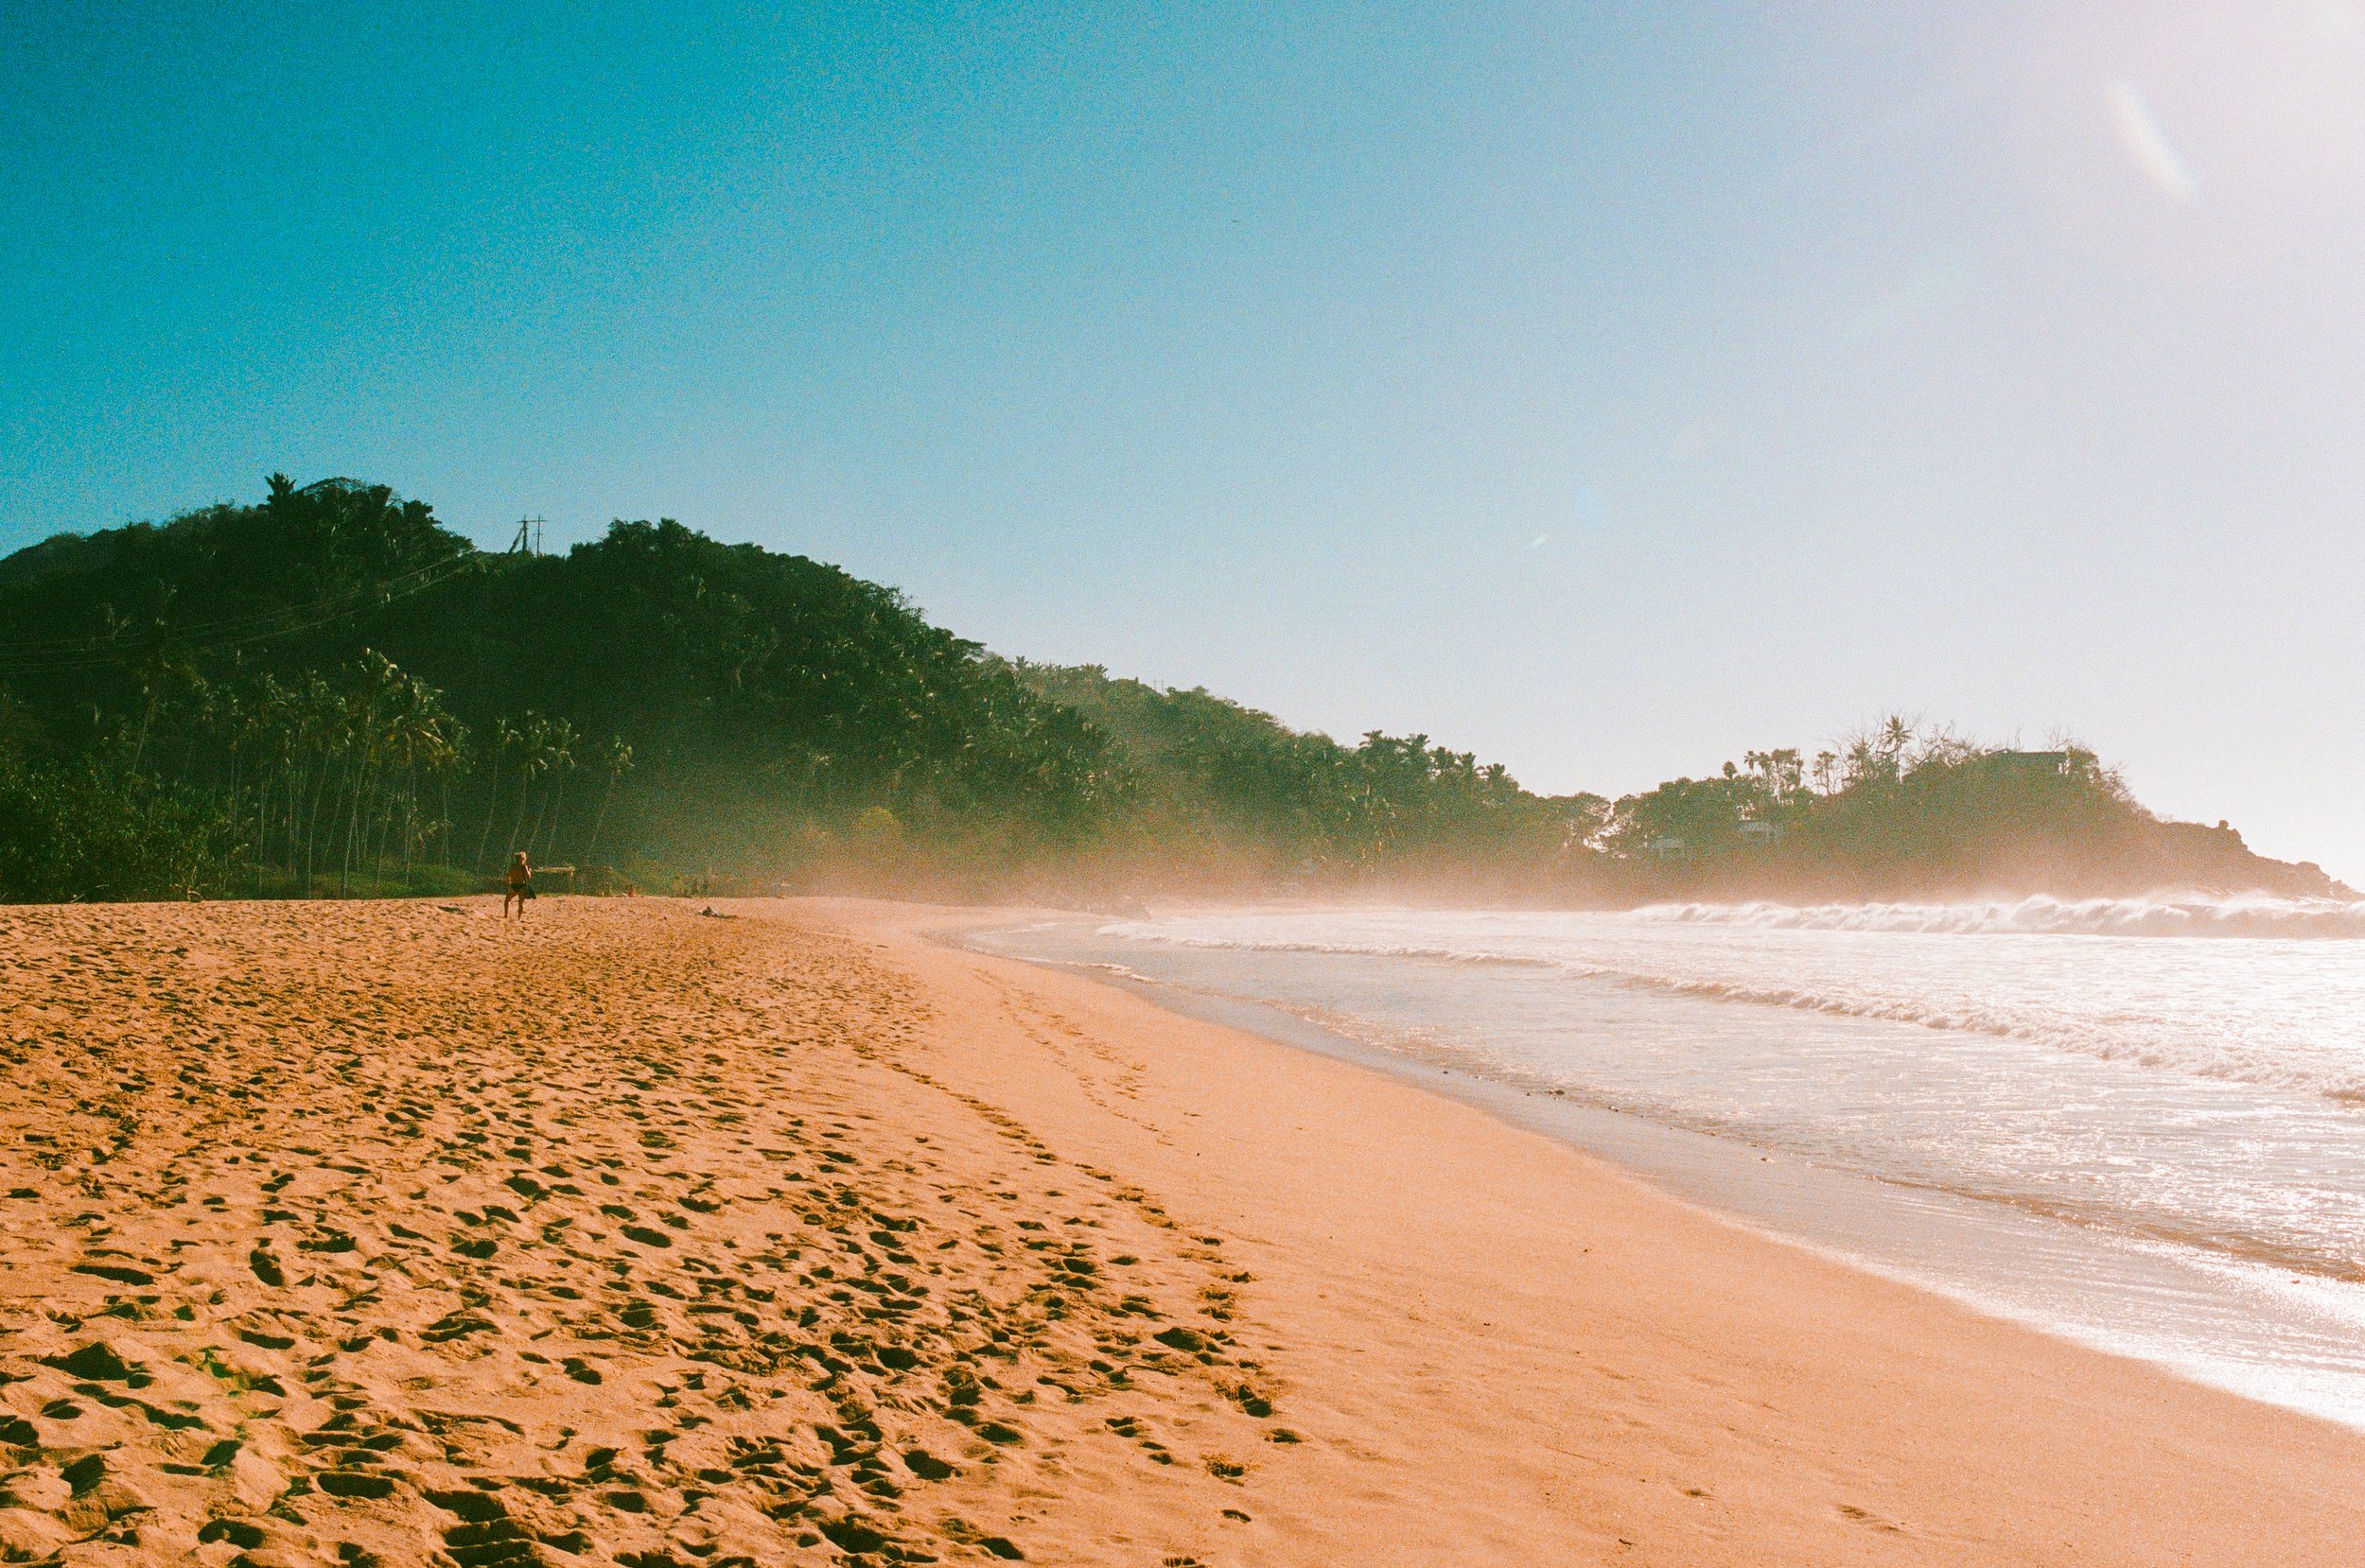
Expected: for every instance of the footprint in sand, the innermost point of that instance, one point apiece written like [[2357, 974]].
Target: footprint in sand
[[318, 1262]]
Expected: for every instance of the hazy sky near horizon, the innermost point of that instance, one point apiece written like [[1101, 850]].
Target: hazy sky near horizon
[[1606, 389]]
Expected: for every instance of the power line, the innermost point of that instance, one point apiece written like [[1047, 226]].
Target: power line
[[392, 586], [65, 654]]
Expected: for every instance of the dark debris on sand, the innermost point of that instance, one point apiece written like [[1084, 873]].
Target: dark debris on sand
[[352, 1236]]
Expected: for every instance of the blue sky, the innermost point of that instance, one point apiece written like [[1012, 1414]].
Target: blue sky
[[1601, 389]]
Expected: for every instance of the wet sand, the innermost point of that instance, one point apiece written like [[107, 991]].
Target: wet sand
[[354, 1232]]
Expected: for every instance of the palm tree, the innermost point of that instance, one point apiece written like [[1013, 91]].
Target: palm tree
[[324, 733], [506, 743], [535, 755], [558, 755], [615, 761]]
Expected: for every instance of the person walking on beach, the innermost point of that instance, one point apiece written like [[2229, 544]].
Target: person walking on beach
[[521, 885]]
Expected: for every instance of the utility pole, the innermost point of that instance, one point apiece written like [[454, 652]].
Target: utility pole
[[529, 539]]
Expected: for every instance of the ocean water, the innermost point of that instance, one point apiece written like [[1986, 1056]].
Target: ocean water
[[2140, 1122]]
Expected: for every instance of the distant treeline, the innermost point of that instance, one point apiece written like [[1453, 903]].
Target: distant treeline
[[328, 692]]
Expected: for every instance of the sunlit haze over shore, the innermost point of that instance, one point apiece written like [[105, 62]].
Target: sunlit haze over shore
[[1603, 391]]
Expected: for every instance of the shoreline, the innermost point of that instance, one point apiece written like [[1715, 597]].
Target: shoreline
[[931, 1249], [1966, 1437], [2278, 1335]]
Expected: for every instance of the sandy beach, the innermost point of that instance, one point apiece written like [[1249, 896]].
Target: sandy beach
[[387, 1232]]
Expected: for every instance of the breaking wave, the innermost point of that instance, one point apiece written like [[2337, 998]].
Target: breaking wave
[[2176, 1124], [2149, 1042], [2159, 1026], [2160, 915]]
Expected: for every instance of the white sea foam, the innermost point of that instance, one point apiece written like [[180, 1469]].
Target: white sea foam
[[2158, 915], [2124, 1101], [2284, 1009]]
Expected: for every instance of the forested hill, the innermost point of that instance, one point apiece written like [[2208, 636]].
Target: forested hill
[[340, 690], [329, 691]]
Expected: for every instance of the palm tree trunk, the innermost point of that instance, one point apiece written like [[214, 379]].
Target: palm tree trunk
[[599, 818], [312, 828], [552, 809], [492, 803], [524, 796]]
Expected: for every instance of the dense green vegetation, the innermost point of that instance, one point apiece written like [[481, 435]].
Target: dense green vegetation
[[328, 692], [1904, 810], [1229, 792], [332, 692]]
